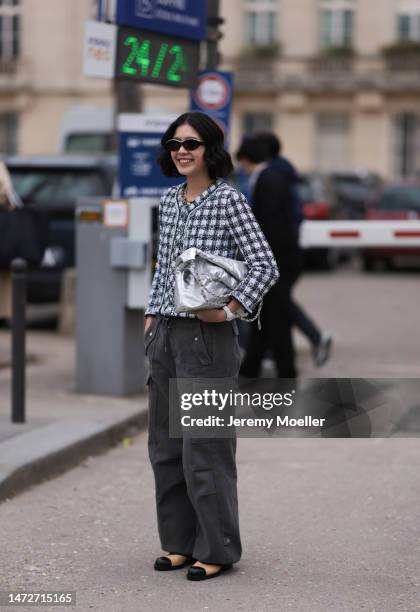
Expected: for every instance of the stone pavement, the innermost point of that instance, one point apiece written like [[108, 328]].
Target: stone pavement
[[63, 427]]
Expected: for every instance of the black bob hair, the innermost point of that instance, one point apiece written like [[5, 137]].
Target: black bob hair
[[271, 141], [254, 150], [218, 160]]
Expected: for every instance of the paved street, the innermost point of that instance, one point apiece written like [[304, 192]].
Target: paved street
[[374, 319], [328, 525]]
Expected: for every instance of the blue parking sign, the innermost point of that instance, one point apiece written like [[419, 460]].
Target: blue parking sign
[[139, 145], [183, 18]]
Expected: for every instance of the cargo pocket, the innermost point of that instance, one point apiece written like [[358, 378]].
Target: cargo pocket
[[203, 479], [150, 336], [235, 327], [198, 350], [151, 415], [236, 345]]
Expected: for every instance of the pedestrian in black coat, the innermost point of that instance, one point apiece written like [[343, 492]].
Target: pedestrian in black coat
[[273, 207]]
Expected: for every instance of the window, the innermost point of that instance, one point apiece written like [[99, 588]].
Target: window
[[333, 142], [407, 148], [90, 143], [337, 22], [260, 22], [408, 20], [8, 133], [257, 122], [9, 30], [63, 187], [400, 198]]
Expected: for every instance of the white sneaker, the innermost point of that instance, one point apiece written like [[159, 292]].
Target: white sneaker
[[321, 352]]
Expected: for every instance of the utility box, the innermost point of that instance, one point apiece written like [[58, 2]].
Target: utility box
[[115, 255]]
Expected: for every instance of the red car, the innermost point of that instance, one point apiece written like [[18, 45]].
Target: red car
[[395, 201], [315, 208]]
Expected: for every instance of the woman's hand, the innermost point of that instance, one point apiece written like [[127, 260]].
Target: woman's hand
[[147, 322], [214, 315]]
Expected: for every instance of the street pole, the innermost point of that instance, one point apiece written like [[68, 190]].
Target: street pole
[[213, 37], [18, 339], [127, 99]]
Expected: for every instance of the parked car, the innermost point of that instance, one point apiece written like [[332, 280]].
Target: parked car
[[55, 184], [346, 192], [395, 201], [315, 204], [350, 193], [315, 208]]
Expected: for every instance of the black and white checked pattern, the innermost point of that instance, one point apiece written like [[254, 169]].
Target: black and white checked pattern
[[219, 221]]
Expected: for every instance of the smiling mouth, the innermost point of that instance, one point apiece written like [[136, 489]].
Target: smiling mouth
[[184, 161]]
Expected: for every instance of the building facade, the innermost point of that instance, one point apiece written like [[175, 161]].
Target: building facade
[[337, 80], [40, 71]]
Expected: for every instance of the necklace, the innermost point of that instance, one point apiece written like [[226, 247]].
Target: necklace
[[186, 200]]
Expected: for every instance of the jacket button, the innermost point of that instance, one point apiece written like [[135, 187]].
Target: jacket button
[[196, 338]]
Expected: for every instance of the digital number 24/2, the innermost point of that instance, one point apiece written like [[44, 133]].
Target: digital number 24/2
[[140, 54]]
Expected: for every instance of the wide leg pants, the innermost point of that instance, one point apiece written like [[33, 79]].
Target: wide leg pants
[[196, 478]]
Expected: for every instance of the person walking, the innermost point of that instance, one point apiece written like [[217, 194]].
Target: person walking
[[321, 342], [8, 198], [272, 205], [196, 479]]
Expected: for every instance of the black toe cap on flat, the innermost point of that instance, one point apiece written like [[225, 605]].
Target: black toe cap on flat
[[196, 573], [164, 564], [199, 573]]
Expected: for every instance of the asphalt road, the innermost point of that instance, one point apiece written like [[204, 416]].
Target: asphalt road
[[373, 318], [327, 526]]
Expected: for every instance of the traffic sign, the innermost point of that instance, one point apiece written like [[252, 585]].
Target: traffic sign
[[213, 96]]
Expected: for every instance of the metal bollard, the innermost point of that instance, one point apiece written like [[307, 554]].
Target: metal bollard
[[18, 339]]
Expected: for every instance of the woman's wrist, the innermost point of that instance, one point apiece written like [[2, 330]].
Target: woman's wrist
[[236, 308], [233, 310]]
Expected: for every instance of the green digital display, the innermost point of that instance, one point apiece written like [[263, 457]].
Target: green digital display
[[157, 58]]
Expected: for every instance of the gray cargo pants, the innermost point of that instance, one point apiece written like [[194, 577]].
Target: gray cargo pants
[[196, 496]]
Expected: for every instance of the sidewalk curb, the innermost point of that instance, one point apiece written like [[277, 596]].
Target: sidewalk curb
[[63, 444]]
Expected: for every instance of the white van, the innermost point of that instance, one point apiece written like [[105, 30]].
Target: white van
[[87, 129]]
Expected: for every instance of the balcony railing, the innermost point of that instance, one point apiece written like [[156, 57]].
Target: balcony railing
[[330, 64], [404, 62], [255, 73], [327, 73]]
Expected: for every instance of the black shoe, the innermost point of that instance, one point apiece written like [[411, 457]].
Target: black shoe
[[199, 573], [164, 564]]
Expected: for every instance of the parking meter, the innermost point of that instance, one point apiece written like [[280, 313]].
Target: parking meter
[[114, 266]]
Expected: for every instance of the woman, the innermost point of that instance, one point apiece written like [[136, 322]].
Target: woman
[[197, 507]]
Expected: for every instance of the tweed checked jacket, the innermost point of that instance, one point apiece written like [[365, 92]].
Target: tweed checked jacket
[[221, 222]]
